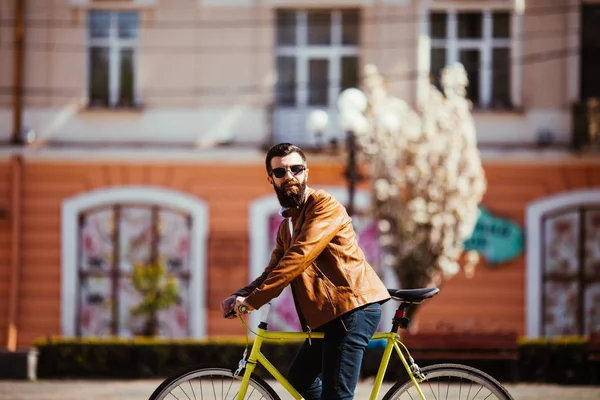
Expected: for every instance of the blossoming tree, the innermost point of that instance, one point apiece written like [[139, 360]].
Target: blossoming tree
[[426, 171]]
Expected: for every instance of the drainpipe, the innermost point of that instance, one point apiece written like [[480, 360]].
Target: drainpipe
[[16, 167], [18, 65]]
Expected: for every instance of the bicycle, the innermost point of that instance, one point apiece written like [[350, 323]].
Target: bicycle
[[243, 383]]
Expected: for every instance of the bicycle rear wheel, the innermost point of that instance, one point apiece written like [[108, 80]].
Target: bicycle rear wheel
[[211, 383], [451, 381]]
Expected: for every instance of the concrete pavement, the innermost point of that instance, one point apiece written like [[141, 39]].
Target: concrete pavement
[[141, 390]]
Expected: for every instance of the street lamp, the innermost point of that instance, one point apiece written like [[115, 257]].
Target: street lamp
[[352, 103], [317, 122]]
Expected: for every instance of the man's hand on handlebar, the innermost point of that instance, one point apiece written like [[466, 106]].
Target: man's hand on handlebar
[[241, 306], [227, 306], [234, 305]]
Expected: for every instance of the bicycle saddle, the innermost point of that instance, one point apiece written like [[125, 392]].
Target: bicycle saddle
[[413, 295]]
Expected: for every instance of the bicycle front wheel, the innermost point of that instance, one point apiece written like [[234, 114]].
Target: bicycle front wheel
[[211, 383], [450, 381]]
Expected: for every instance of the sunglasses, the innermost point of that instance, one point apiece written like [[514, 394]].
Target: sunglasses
[[294, 169]]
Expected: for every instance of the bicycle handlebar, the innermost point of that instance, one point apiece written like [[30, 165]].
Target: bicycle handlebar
[[241, 309]]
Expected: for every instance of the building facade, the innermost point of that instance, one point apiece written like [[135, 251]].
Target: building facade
[[137, 127]]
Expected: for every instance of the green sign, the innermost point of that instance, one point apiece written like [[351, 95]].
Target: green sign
[[497, 239]]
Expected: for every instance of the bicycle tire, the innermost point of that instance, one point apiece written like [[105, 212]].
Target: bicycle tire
[[455, 389], [221, 385]]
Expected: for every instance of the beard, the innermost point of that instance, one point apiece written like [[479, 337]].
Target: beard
[[290, 195]]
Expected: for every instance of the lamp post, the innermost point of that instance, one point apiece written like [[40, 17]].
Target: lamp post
[[352, 175], [352, 103], [593, 105]]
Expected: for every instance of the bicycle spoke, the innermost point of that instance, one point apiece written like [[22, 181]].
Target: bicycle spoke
[[184, 392], [432, 391], [192, 388], [229, 388], [477, 392], [174, 396], [448, 388], [486, 397]]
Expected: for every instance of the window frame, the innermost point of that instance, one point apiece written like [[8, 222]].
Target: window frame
[[535, 212], [485, 45], [198, 209], [303, 53], [114, 44]]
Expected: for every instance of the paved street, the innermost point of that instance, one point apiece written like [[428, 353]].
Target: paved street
[[141, 390]]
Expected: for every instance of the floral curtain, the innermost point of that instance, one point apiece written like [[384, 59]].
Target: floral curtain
[[113, 240], [571, 273]]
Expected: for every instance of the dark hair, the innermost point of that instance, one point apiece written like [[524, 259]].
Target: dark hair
[[281, 150]]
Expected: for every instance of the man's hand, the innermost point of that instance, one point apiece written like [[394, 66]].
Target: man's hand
[[227, 306], [233, 303], [241, 301]]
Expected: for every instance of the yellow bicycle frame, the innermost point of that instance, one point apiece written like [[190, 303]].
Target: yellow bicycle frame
[[392, 340]]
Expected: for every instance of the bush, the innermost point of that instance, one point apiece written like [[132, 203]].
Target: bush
[[145, 358], [562, 361]]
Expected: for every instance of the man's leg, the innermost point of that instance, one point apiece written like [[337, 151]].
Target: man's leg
[[344, 345], [305, 369]]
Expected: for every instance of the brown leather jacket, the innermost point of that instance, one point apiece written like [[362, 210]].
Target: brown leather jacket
[[328, 273]]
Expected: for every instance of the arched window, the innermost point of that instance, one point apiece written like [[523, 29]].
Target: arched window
[[107, 236], [563, 265]]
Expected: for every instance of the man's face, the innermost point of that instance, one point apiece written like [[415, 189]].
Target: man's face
[[288, 177]]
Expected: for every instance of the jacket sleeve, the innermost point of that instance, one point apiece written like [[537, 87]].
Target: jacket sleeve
[[324, 218], [275, 257]]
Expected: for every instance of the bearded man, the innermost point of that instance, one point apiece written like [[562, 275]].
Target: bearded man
[[335, 290]]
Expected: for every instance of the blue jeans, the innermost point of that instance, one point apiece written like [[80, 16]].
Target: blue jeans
[[337, 357]]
